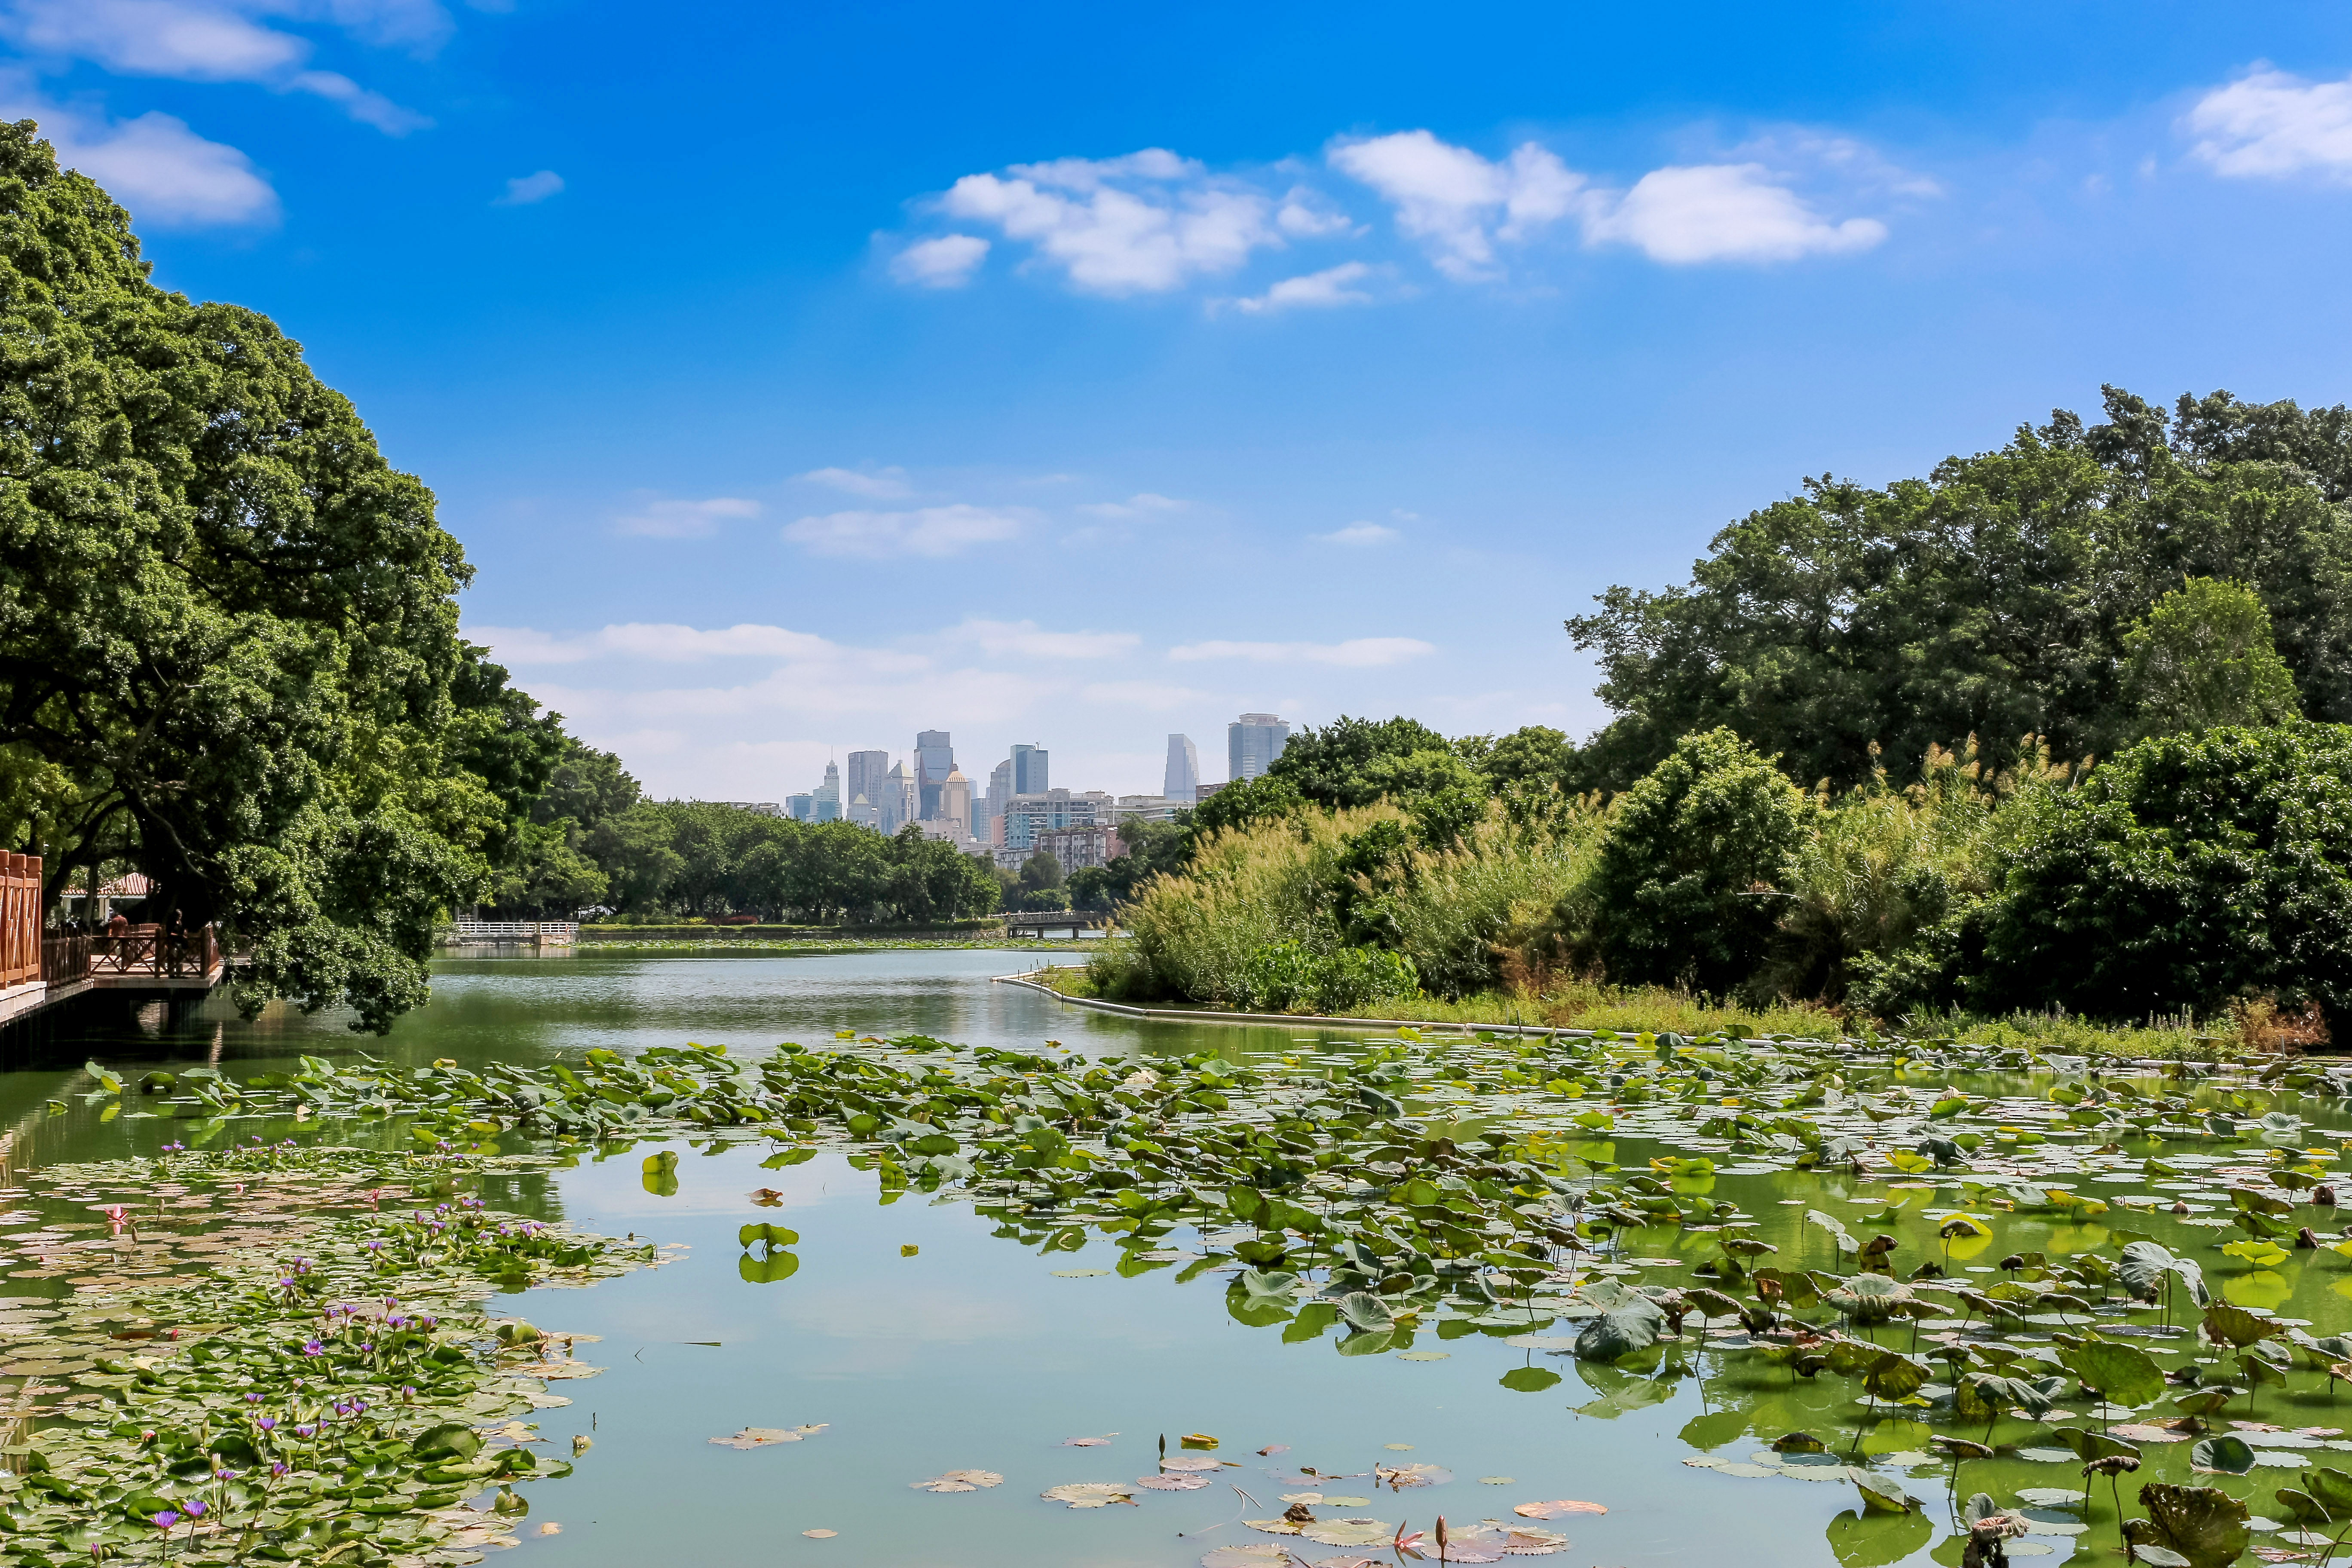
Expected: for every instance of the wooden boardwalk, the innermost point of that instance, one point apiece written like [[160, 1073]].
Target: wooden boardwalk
[[40, 969]]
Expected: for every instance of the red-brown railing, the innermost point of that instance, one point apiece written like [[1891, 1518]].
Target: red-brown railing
[[150, 950], [66, 958], [20, 918]]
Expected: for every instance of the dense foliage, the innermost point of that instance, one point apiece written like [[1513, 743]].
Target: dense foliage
[[229, 636], [1991, 598]]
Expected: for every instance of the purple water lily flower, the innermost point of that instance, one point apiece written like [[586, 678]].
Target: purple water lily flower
[[195, 1506], [314, 1348], [166, 1520]]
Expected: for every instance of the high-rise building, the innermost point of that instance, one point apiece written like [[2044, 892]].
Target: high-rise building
[[1026, 815], [1029, 770], [1183, 774], [826, 807], [955, 802], [1252, 743], [898, 801], [988, 811], [934, 761], [862, 784], [800, 807]]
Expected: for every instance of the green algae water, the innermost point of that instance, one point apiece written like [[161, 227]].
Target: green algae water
[[1002, 1326]]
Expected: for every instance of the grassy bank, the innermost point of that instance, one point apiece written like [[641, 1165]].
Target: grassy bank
[[1581, 1006]]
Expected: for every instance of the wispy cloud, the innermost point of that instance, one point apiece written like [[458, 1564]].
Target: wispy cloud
[[1722, 212], [875, 484], [1359, 534], [2269, 124], [1145, 504], [1356, 653], [928, 531], [1312, 290], [668, 644], [947, 262], [153, 164], [191, 40], [674, 518], [1030, 641], [525, 190]]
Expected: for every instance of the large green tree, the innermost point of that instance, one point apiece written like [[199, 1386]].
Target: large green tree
[[229, 636], [1990, 598]]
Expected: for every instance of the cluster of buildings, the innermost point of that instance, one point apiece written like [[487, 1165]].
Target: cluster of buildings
[[1019, 812]]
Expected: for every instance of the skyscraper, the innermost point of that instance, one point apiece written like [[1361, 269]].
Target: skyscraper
[[1252, 743], [826, 808], [1183, 777], [897, 804], [934, 761], [863, 785], [1029, 770], [955, 801], [991, 804]]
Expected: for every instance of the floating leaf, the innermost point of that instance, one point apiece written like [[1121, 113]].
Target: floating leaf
[[768, 1436], [1089, 1494], [1556, 1510], [2222, 1455], [959, 1481], [1350, 1531]]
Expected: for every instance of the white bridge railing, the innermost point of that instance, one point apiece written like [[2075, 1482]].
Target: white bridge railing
[[551, 934]]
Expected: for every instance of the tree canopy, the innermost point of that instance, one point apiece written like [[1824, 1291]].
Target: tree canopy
[[229, 631], [1991, 598]]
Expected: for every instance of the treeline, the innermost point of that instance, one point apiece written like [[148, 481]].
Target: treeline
[[2059, 726], [593, 842]]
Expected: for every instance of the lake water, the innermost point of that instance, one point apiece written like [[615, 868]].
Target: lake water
[[972, 1353]]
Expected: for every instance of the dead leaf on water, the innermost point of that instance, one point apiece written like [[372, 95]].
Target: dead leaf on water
[[1179, 1481], [1087, 1442], [550, 1527], [1192, 1462], [1263, 1555], [820, 1534], [959, 1481], [1089, 1494], [1556, 1510], [768, 1436]]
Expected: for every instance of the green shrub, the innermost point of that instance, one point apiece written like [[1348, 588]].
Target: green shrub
[[1288, 977], [1682, 890], [2188, 870]]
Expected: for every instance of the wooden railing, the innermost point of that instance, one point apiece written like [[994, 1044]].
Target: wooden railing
[[65, 959], [151, 950], [20, 918]]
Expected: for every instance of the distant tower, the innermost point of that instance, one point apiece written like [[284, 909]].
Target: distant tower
[[828, 795], [895, 808], [955, 801], [1029, 770], [934, 761], [1184, 778], [992, 805], [1252, 743], [863, 785]]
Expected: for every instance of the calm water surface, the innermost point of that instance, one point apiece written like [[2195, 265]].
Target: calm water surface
[[972, 1355]]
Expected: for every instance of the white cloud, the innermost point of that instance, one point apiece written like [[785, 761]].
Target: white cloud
[[1310, 215], [1146, 223], [1359, 534], [667, 644], [2270, 124], [1723, 212], [947, 262], [876, 484], [165, 173], [931, 531], [1313, 290], [191, 40], [1145, 504], [1463, 206], [668, 519], [1029, 640], [1455, 200], [1356, 653], [1152, 696], [526, 189]]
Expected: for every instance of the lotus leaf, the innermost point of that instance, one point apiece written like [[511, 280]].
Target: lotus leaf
[[2204, 1524]]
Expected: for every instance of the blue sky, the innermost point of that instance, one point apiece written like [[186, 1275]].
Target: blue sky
[[800, 376]]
